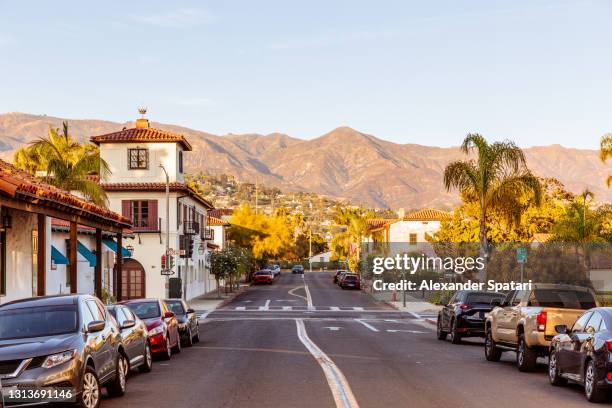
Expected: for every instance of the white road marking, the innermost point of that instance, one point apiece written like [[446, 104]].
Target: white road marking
[[332, 328], [369, 326], [360, 309], [339, 386], [405, 331], [287, 308], [334, 308], [247, 301], [204, 315], [391, 320], [286, 300], [415, 315], [240, 308], [308, 297], [300, 296], [266, 306]]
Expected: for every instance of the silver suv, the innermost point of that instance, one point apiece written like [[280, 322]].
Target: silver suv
[[67, 343]]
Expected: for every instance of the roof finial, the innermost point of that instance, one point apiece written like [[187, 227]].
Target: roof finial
[[142, 110]]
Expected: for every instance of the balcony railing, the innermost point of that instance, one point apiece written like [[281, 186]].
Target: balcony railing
[[207, 233], [191, 228], [146, 225]]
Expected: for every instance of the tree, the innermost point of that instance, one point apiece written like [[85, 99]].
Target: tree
[[347, 242], [496, 180], [66, 163], [605, 152]]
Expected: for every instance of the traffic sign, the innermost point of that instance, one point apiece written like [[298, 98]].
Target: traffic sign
[[167, 272], [176, 252], [521, 255]]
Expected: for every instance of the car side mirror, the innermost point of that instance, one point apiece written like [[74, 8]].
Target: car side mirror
[[190, 311], [561, 329], [168, 315], [127, 324], [96, 326], [496, 302]]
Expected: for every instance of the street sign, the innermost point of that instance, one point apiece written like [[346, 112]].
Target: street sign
[[167, 272], [521, 255], [176, 252]]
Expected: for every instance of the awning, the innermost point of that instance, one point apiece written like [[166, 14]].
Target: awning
[[113, 246], [58, 257], [87, 254]]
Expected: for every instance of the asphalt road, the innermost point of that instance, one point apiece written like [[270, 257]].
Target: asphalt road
[[287, 346]]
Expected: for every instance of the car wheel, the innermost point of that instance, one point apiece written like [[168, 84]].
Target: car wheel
[[441, 334], [455, 337], [116, 388], [177, 349], [196, 339], [148, 360], [492, 353], [592, 391], [168, 353], [189, 340], [525, 356], [553, 370], [90, 390]]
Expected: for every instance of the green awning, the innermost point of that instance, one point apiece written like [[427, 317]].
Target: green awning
[[58, 257], [113, 246], [87, 254]]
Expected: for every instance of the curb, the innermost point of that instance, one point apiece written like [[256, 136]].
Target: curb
[[232, 297], [431, 321]]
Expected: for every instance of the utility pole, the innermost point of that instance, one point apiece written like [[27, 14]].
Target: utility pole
[[167, 220], [256, 196], [310, 249]]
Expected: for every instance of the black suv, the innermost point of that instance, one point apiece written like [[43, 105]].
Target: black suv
[[465, 313], [297, 269], [67, 342], [188, 326]]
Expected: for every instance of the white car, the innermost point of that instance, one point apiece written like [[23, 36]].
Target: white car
[[276, 270]]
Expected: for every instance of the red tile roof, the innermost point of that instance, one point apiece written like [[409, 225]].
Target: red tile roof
[[428, 214], [134, 135], [214, 221], [175, 186], [221, 212], [376, 223], [21, 185]]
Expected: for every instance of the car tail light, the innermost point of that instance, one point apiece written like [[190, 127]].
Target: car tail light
[[609, 344], [609, 377], [541, 320], [465, 307]]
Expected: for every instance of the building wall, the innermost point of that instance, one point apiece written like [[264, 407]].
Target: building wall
[[116, 155], [219, 238], [601, 279], [400, 231]]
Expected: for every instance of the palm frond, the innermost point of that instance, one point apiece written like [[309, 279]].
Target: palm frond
[[462, 175]]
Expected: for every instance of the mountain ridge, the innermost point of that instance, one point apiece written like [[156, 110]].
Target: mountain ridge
[[343, 163]]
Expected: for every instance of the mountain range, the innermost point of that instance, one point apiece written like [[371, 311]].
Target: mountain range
[[343, 164]]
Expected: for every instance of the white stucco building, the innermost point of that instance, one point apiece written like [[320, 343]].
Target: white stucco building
[[139, 159]]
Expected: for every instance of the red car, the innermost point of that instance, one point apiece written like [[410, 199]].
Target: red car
[[263, 276], [161, 324]]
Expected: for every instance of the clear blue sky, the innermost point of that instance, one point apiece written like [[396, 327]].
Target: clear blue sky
[[536, 71]]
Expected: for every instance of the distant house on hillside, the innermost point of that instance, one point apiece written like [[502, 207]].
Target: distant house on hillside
[[412, 228]]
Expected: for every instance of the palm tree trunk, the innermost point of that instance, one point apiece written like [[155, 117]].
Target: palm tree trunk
[[484, 245]]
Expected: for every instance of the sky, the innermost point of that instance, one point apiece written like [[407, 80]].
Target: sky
[[537, 72]]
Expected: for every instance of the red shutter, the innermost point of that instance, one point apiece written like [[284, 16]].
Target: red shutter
[[126, 209], [153, 221]]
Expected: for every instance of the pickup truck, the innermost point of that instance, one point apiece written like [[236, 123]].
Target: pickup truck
[[525, 321]]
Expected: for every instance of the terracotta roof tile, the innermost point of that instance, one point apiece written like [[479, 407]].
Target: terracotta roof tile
[[221, 212], [428, 214], [376, 223], [175, 186], [214, 221], [15, 182], [133, 135]]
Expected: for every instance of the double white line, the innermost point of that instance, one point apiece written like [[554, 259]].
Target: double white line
[[339, 386]]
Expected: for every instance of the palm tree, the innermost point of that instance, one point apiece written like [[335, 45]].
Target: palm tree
[[497, 179], [66, 163], [605, 152]]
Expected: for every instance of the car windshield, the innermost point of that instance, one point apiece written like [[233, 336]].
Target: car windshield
[[38, 321], [176, 307], [263, 273], [563, 298], [145, 310], [350, 278], [485, 298]]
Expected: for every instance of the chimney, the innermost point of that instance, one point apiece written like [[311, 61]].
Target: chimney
[[401, 213], [142, 122]]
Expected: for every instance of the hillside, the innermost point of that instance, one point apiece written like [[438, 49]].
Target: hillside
[[342, 164]]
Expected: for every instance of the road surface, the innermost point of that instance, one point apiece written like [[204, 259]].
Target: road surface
[[304, 342]]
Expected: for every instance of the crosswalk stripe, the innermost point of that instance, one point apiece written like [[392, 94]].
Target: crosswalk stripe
[[334, 308], [287, 308], [358, 309], [240, 308]]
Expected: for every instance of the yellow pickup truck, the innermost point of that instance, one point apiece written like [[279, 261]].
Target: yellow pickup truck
[[525, 321]]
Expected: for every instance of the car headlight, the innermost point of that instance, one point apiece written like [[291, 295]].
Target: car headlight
[[156, 330], [59, 358]]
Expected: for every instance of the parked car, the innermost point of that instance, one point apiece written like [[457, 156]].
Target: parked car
[[338, 273], [583, 354], [464, 314], [341, 276], [297, 269], [525, 321], [135, 338], [263, 276], [161, 324], [276, 269], [350, 280], [189, 329], [67, 341]]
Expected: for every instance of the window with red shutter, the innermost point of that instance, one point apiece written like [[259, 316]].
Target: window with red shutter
[[126, 209], [153, 221]]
